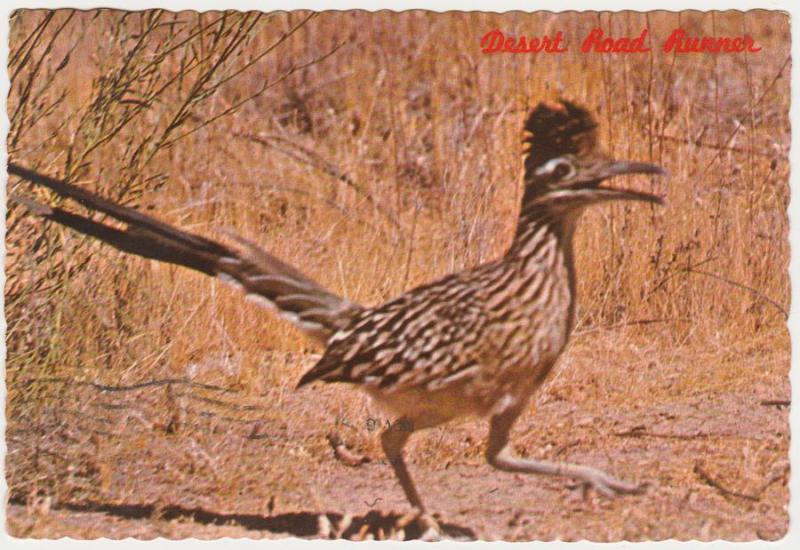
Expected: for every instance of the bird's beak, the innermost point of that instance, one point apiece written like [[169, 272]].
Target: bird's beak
[[621, 168]]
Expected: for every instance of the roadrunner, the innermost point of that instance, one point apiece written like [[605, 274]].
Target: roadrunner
[[474, 343]]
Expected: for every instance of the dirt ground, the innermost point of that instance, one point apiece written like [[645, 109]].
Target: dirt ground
[[705, 426], [376, 152]]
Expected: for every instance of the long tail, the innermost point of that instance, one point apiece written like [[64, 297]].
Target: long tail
[[264, 278]]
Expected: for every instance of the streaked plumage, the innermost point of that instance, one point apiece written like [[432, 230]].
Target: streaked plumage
[[478, 342]]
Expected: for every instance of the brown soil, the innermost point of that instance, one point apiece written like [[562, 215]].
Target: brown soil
[[182, 459]]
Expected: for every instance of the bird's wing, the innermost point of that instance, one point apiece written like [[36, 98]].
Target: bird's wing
[[409, 340]]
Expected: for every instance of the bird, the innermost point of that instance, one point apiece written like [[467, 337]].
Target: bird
[[474, 343]]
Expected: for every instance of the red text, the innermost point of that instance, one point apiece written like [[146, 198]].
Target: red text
[[495, 41], [678, 42], [597, 43]]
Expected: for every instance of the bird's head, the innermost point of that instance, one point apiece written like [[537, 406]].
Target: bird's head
[[565, 165]]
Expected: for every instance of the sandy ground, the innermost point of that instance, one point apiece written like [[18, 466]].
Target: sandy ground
[[707, 430]]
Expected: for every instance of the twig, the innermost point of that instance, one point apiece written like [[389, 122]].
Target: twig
[[776, 402], [706, 477], [305, 155], [342, 453], [669, 276], [641, 431], [742, 286], [629, 323], [706, 145], [757, 103], [132, 387], [266, 86]]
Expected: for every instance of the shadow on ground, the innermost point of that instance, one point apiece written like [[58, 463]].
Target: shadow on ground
[[373, 524]]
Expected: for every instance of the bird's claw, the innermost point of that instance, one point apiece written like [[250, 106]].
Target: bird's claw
[[428, 526], [610, 487]]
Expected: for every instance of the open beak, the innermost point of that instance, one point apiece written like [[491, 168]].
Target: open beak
[[621, 168]]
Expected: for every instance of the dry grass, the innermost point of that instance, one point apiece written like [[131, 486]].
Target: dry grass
[[374, 168]]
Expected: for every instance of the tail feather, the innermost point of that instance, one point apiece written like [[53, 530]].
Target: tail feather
[[264, 278]]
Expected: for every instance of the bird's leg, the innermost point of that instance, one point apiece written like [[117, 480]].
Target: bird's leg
[[393, 441], [499, 455]]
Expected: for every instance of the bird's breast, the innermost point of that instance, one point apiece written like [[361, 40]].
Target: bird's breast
[[534, 324]]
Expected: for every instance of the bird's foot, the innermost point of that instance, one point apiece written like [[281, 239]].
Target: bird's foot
[[426, 524], [608, 486]]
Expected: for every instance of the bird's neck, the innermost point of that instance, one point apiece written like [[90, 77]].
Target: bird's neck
[[544, 233], [542, 247]]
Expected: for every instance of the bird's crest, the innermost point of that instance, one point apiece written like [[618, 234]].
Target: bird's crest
[[557, 129]]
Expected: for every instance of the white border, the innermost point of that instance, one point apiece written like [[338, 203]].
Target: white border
[[792, 540]]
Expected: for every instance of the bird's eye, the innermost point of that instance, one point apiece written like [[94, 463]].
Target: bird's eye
[[557, 169], [563, 170]]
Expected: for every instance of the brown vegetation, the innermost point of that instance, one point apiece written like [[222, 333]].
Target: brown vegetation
[[376, 151]]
